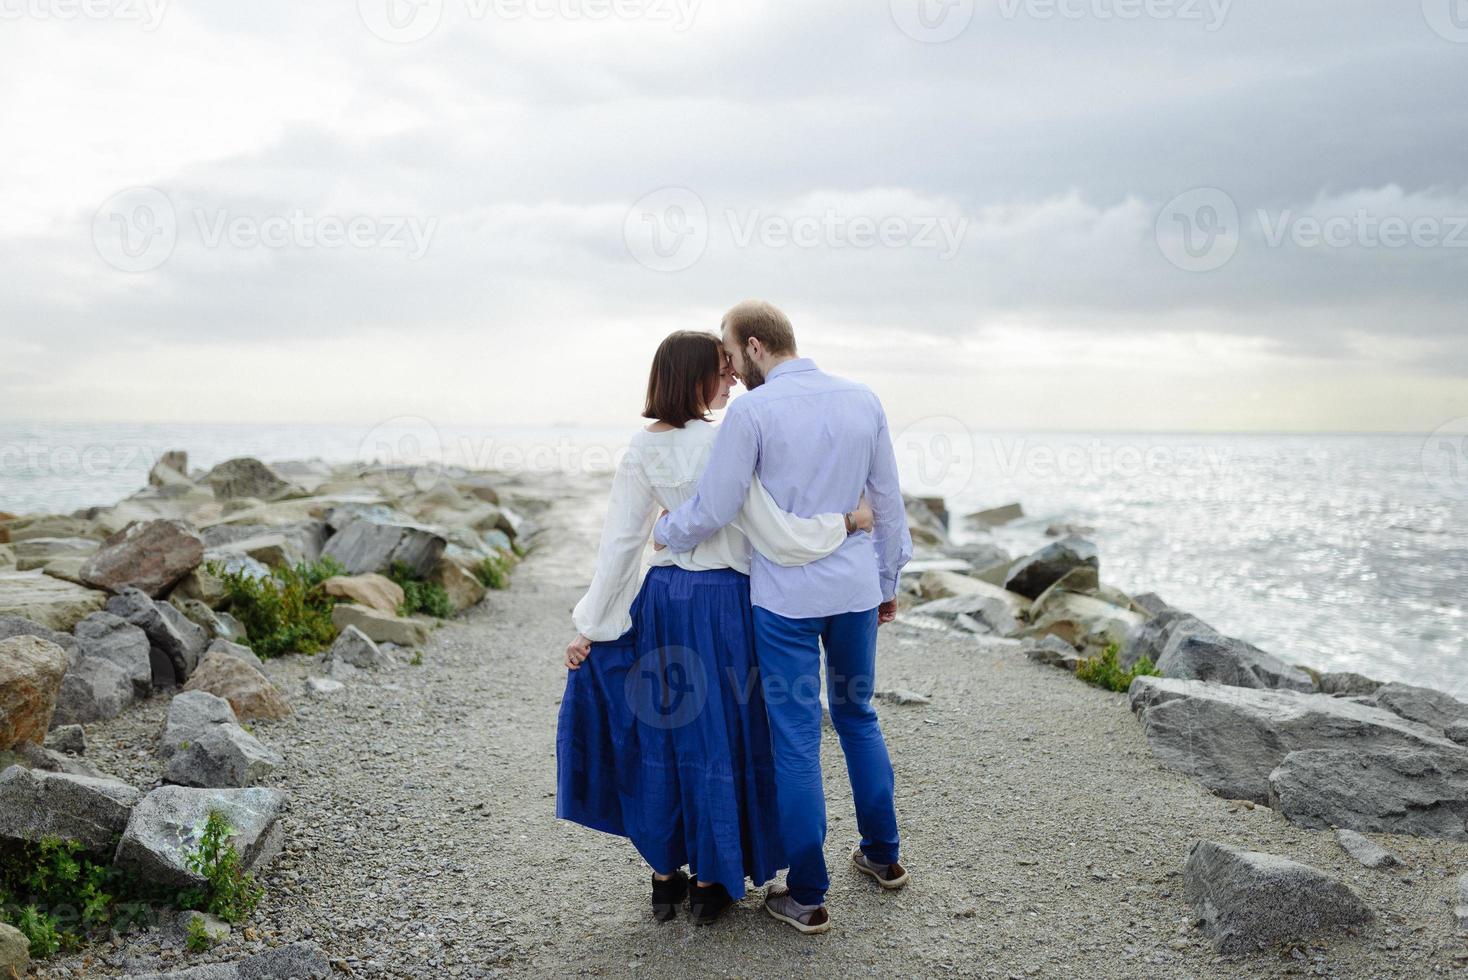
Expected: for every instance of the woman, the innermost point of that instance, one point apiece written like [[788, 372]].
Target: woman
[[663, 737]]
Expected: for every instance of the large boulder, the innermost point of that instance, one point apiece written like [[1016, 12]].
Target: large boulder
[[35, 804], [365, 545], [1197, 652], [1232, 738], [1423, 705], [1249, 900], [103, 636], [50, 526], [380, 627], [248, 477], [168, 824], [50, 602], [150, 556], [175, 643], [205, 746], [30, 681], [293, 961], [373, 591], [92, 690], [1422, 792], [219, 625], [248, 691], [1033, 574]]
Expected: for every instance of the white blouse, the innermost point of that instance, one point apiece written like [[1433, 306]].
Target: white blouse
[[661, 471]]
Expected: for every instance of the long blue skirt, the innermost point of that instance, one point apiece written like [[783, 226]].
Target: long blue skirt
[[663, 737]]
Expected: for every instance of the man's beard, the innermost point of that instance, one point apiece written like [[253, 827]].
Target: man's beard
[[750, 374]]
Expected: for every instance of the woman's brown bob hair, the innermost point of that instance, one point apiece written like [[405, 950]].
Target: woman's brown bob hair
[[684, 377]]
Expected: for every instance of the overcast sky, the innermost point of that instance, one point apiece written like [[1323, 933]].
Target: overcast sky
[[1045, 214]]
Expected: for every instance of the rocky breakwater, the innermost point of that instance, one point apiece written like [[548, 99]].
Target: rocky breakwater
[[1328, 751], [182, 591]]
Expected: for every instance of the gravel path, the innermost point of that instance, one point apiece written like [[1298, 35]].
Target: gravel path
[[1042, 839]]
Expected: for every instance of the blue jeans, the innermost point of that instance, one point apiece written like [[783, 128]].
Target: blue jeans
[[789, 661]]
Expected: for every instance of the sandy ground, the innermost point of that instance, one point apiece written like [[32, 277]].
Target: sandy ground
[[1042, 839]]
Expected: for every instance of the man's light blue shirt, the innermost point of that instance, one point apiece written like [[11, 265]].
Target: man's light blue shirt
[[817, 442]]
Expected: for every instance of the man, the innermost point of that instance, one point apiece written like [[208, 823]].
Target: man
[[818, 443]]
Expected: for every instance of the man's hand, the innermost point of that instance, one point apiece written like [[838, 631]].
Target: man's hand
[[887, 612], [656, 544], [577, 651]]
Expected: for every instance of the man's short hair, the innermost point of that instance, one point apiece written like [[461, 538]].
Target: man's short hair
[[763, 321]]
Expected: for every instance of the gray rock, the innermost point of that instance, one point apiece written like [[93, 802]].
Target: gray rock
[[168, 824], [92, 690], [1422, 704], [1366, 851], [992, 613], [71, 739], [1457, 732], [235, 650], [29, 755], [175, 644], [365, 545], [1463, 904], [1421, 791], [355, 648], [323, 687], [15, 952], [1248, 900], [218, 625], [1195, 651], [1232, 738], [1345, 684], [380, 627], [1052, 651], [979, 554], [206, 747], [105, 636], [35, 804], [1033, 574], [1150, 603], [996, 516], [39, 552], [902, 696], [248, 477]]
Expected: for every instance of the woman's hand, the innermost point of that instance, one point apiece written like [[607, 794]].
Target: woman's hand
[[656, 544], [577, 651], [862, 517]]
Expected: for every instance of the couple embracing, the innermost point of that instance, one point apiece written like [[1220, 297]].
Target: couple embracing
[[691, 721]]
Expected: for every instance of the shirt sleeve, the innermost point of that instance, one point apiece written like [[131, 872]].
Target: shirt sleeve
[[605, 612], [891, 538], [723, 487], [783, 537]]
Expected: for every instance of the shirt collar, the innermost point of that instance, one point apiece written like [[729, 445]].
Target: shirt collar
[[788, 367]]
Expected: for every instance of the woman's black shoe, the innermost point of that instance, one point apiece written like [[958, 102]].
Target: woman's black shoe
[[706, 904], [667, 895]]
